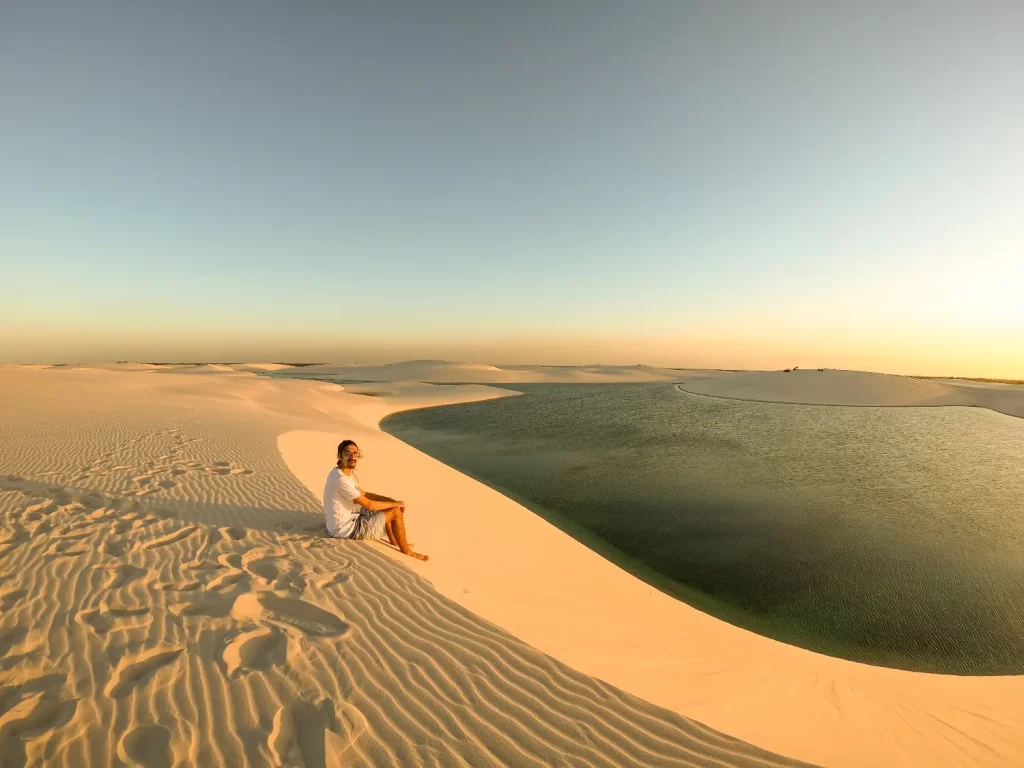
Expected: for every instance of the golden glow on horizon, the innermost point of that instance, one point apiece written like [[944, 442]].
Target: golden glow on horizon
[[963, 352]]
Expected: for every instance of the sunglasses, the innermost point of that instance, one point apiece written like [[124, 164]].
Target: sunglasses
[[350, 454]]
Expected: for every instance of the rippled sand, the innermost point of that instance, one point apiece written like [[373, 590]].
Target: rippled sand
[[166, 598]]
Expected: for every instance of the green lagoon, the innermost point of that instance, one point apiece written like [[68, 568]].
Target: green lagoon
[[893, 536]]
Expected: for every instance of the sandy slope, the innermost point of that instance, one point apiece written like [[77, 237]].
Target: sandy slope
[[261, 366], [1005, 398], [512, 568], [165, 598], [856, 388], [442, 371]]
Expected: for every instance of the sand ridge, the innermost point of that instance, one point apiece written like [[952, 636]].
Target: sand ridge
[[549, 590], [446, 372], [854, 388], [167, 597]]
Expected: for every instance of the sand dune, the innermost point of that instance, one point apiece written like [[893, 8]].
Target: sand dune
[[1005, 398], [165, 597], [855, 388], [173, 367], [442, 371], [260, 366], [558, 596]]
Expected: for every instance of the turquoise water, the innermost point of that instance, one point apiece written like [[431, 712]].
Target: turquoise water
[[893, 536]]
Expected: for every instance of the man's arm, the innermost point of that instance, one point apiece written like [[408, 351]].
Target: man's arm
[[377, 503]]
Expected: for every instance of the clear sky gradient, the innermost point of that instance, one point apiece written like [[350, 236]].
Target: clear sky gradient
[[726, 184]]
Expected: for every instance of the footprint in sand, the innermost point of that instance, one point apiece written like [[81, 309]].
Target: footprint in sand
[[106, 618], [133, 523], [146, 746], [294, 579], [32, 709], [9, 638], [269, 568], [288, 613], [207, 606], [177, 468], [225, 468], [232, 580], [264, 567], [10, 599], [64, 549], [121, 575], [93, 518], [73, 533], [314, 734], [119, 548], [254, 649], [134, 671], [213, 538], [179, 586], [334, 581], [234, 577], [40, 509], [14, 640], [262, 564], [231, 560], [173, 537], [15, 535], [40, 528]]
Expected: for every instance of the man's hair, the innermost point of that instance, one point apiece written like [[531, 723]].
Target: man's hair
[[345, 444]]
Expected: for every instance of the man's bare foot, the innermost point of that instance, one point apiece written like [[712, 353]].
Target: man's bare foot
[[417, 555]]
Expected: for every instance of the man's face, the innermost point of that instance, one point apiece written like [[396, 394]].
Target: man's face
[[350, 457]]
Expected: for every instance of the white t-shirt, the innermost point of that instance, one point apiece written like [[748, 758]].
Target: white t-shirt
[[340, 508]]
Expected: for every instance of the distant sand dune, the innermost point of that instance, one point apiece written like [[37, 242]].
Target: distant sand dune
[[442, 371], [168, 599], [260, 366], [856, 388], [828, 387]]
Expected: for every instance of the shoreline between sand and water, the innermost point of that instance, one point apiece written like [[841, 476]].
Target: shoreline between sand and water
[[792, 701], [167, 596], [551, 592], [787, 520]]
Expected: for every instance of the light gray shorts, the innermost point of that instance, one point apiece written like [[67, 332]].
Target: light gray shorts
[[369, 525]]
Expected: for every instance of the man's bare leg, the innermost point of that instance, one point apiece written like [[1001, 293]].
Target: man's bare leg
[[397, 520], [388, 525], [391, 534]]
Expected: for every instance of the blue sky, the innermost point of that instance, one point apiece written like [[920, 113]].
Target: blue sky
[[703, 183]]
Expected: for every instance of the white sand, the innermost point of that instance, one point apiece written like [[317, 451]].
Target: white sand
[[1005, 398], [563, 599], [855, 388], [166, 598], [261, 366], [442, 371], [198, 614]]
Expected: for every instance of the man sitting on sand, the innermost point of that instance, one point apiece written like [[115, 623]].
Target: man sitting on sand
[[352, 513]]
